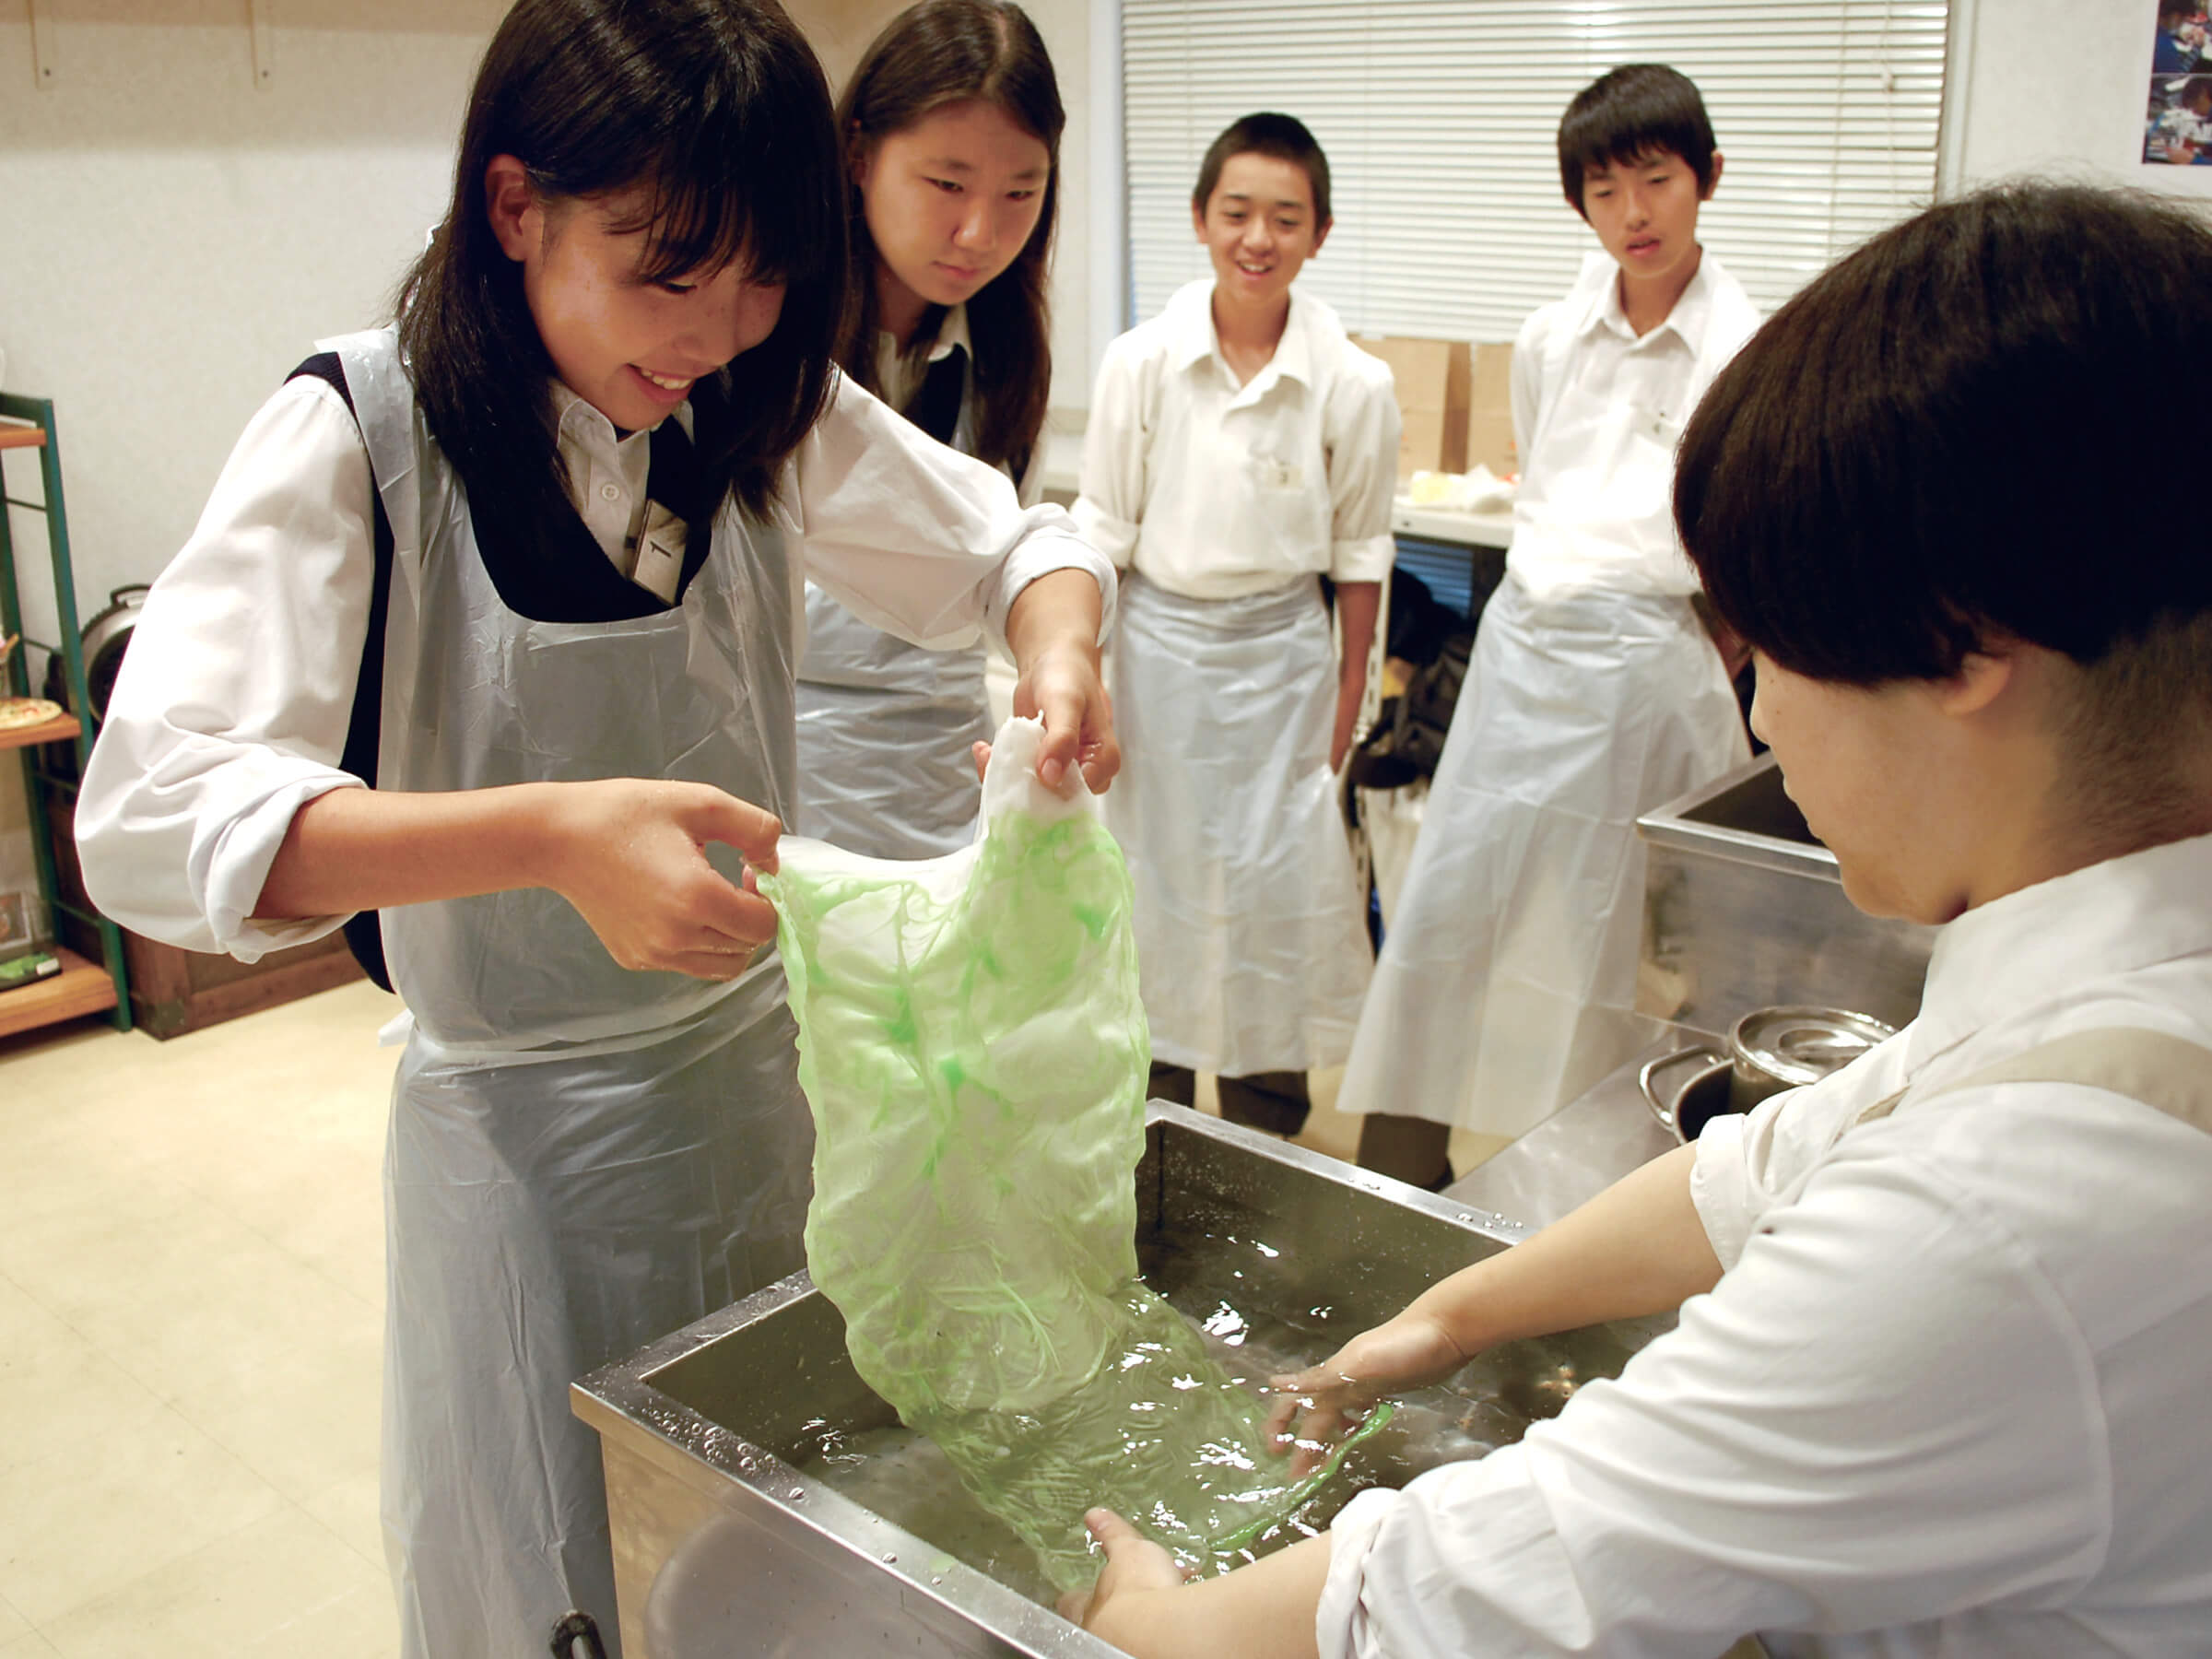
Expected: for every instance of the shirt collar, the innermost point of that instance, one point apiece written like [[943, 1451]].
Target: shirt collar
[[1687, 322], [951, 332], [578, 421], [1994, 962], [1192, 340], [892, 373]]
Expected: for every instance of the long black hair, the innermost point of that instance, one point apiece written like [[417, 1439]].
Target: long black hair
[[944, 51], [718, 112]]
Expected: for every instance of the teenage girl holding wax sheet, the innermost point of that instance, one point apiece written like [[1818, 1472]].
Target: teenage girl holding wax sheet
[[488, 635]]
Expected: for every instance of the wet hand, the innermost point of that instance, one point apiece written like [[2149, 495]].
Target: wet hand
[[1135, 1569], [1061, 686], [1316, 1407], [629, 854]]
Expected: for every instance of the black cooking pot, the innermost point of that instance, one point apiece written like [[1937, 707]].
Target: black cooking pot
[[104, 638]]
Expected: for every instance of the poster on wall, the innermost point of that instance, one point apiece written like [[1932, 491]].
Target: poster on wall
[[2177, 124]]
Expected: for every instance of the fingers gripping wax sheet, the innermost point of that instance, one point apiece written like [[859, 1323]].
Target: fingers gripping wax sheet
[[975, 1052]]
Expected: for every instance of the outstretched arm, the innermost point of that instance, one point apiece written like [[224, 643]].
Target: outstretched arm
[[1141, 1604], [1637, 1248], [1052, 631], [627, 852]]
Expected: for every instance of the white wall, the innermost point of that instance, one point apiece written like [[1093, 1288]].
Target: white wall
[[2055, 86], [174, 240]]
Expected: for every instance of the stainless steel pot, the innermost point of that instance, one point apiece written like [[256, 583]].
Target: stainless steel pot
[[1768, 1049]]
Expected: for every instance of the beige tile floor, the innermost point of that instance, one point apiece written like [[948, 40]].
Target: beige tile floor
[[191, 1309]]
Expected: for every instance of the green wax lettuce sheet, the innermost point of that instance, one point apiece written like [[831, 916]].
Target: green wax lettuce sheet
[[975, 1053]]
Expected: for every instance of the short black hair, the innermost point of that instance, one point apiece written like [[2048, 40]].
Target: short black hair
[[1630, 114], [1266, 134], [1950, 440]]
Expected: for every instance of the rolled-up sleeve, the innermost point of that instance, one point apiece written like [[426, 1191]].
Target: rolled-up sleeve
[[1749, 1164], [1881, 1415], [1362, 439], [917, 538], [231, 710], [1110, 505]]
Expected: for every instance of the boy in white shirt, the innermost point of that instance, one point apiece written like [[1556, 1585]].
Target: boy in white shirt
[[1938, 1384], [1241, 448], [1507, 981]]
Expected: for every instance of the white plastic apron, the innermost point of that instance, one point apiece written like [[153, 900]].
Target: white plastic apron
[[582, 1157], [1507, 982], [885, 730], [1252, 947]]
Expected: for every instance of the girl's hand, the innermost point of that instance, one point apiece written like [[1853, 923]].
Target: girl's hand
[[1407, 1352], [630, 855], [1135, 1568], [1063, 685]]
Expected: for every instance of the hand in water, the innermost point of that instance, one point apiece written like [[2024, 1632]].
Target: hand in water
[[1135, 1565], [1407, 1352]]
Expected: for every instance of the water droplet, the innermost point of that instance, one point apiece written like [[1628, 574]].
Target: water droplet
[[797, 1493], [890, 1555], [936, 1578]]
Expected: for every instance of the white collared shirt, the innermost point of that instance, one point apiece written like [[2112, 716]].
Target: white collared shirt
[[234, 702], [608, 473], [899, 375], [1216, 489], [1597, 414], [1949, 1395]]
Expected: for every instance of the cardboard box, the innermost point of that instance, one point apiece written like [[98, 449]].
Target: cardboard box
[[1490, 411], [1433, 378]]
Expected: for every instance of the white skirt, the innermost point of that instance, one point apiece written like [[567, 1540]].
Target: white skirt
[[1252, 945], [1507, 984]]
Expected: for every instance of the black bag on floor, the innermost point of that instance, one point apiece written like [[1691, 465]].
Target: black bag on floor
[[1407, 738]]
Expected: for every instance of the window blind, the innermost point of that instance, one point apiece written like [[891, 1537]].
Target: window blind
[[1440, 119]]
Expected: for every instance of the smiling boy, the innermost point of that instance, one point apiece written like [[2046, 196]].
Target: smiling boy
[[1507, 984], [1240, 448]]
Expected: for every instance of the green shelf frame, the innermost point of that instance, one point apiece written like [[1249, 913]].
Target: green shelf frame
[[39, 778]]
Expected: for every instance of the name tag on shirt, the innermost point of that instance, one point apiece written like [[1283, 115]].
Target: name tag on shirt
[[1274, 473], [660, 560]]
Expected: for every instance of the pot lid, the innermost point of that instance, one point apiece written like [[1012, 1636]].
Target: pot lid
[[1802, 1045]]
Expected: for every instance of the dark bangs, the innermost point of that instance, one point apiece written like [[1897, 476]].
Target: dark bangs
[[715, 113], [1950, 438], [1632, 115], [932, 54]]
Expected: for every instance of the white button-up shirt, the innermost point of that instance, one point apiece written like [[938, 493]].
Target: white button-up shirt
[[1214, 488], [1948, 1398], [899, 375], [233, 707], [1597, 414]]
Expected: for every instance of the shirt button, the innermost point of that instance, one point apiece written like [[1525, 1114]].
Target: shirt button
[[610, 492]]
